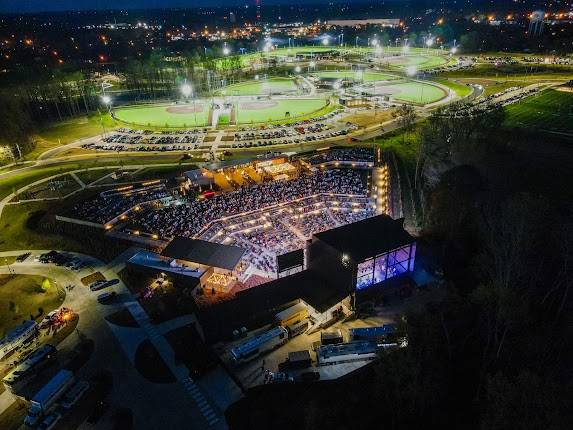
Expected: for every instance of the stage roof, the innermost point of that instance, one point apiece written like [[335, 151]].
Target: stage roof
[[203, 252], [367, 238]]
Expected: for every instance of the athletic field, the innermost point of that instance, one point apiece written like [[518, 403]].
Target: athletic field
[[173, 115], [262, 87], [407, 91], [421, 62], [365, 76], [549, 110], [261, 111]]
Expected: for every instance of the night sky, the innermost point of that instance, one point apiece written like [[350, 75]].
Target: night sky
[[61, 5]]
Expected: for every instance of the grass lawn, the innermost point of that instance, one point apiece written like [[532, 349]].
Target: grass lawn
[[275, 110], [57, 187], [417, 92], [69, 131], [193, 114], [461, 89], [19, 180], [89, 176], [17, 226], [523, 72], [549, 110], [353, 74], [254, 88], [22, 296], [421, 62], [368, 117], [33, 226]]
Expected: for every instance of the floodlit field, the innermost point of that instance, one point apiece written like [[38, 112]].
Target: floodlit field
[[353, 74], [408, 91], [180, 115], [276, 110], [421, 62], [550, 110], [262, 87]]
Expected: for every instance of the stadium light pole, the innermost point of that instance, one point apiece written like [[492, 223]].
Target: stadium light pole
[[226, 50], [187, 91], [429, 43], [106, 100]]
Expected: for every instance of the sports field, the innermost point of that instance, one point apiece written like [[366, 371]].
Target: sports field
[[172, 115], [551, 110], [421, 62], [259, 111], [407, 91], [262, 87], [356, 75]]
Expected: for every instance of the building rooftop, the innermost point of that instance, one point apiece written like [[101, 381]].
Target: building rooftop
[[367, 238], [203, 252]]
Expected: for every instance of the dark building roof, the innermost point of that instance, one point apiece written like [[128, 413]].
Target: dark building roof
[[367, 238], [306, 285], [203, 252], [197, 177]]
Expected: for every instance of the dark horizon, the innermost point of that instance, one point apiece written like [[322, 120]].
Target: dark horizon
[[40, 6]]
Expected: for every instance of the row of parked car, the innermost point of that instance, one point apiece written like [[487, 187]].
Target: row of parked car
[[69, 261], [108, 296]]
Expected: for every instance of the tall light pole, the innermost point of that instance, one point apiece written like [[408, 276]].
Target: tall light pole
[[187, 91], [106, 100]]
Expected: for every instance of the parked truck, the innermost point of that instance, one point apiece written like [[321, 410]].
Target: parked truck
[[30, 367], [45, 400], [18, 337], [292, 315], [255, 346]]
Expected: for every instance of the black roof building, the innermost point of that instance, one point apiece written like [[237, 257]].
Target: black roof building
[[367, 238], [203, 252]]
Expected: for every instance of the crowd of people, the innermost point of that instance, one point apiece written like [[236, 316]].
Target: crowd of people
[[190, 218], [268, 233], [107, 206], [349, 154]]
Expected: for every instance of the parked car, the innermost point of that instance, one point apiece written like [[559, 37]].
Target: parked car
[[106, 297]]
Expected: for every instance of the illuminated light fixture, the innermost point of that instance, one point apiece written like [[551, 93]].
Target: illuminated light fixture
[[226, 51], [411, 70], [186, 90], [106, 99], [297, 69]]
